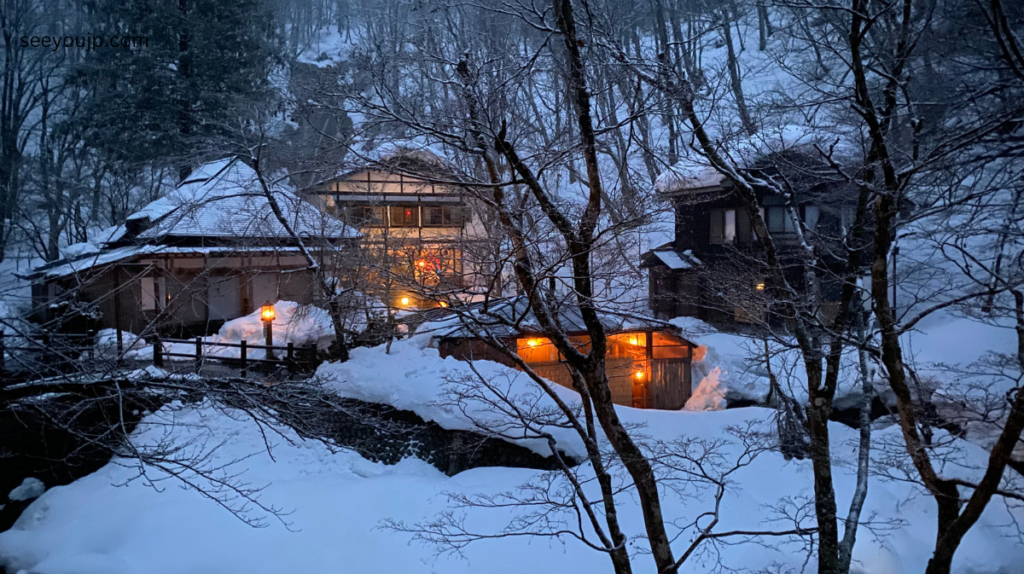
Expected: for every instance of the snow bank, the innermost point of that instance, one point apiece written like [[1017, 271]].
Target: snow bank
[[110, 522], [30, 488], [414, 377], [293, 323], [710, 394]]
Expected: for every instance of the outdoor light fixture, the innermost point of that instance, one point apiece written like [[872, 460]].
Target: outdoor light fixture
[[404, 301], [639, 375], [267, 312]]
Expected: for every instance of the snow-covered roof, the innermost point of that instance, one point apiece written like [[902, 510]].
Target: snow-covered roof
[[672, 260], [511, 317], [225, 199], [666, 255], [222, 205], [84, 263], [697, 173], [687, 174]]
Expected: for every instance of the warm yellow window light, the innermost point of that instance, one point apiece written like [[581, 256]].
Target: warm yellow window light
[[639, 375], [634, 340], [421, 263], [759, 286], [532, 342], [267, 312], [443, 304], [404, 301]]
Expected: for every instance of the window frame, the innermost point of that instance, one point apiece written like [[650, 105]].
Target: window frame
[[726, 222], [406, 211], [455, 216]]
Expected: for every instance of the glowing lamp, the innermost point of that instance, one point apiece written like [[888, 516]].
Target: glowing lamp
[[421, 263], [759, 286], [639, 375], [267, 312], [267, 315], [532, 342], [404, 301], [634, 340], [443, 304]]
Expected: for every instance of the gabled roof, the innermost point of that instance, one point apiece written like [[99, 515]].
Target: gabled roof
[[224, 199], [416, 163], [88, 263]]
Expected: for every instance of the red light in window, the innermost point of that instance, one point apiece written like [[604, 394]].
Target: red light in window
[[408, 213]]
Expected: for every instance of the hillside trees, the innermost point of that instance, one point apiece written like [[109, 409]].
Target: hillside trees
[[171, 101], [922, 140], [543, 177]]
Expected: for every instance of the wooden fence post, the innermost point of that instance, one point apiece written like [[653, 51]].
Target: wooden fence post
[[245, 359], [158, 353], [199, 353], [311, 355]]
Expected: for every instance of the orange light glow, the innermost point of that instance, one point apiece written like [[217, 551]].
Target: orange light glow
[[639, 375], [421, 263], [634, 340], [532, 342], [267, 312], [404, 301], [759, 286], [443, 304]]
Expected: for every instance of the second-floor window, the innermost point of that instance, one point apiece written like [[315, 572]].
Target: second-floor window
[[405, 216], [442, 216], [723, 226], [778, 220]]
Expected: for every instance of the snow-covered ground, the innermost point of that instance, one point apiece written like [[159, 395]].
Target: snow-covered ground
[[337, 501]]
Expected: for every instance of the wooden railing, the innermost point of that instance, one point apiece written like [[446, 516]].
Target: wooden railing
[[43, 354], [290, 356], [55, 350]]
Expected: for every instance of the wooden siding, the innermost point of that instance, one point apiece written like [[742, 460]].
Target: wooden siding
[[663, 359]]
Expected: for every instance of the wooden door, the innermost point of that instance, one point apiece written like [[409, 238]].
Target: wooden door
[[670, 384]]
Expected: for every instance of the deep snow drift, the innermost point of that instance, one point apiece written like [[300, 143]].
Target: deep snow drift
[[336, 502]]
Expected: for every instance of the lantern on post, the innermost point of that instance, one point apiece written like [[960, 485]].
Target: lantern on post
[[267, 314]]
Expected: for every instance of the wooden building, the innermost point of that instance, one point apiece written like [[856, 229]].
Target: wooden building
[[648, 363], [210, 251], [421, 236], [713, 268]]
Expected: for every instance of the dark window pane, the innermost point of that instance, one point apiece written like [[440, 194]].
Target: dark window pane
[[717, 226], [742, 226], [435, 215], [776, 219], [404, 216]]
